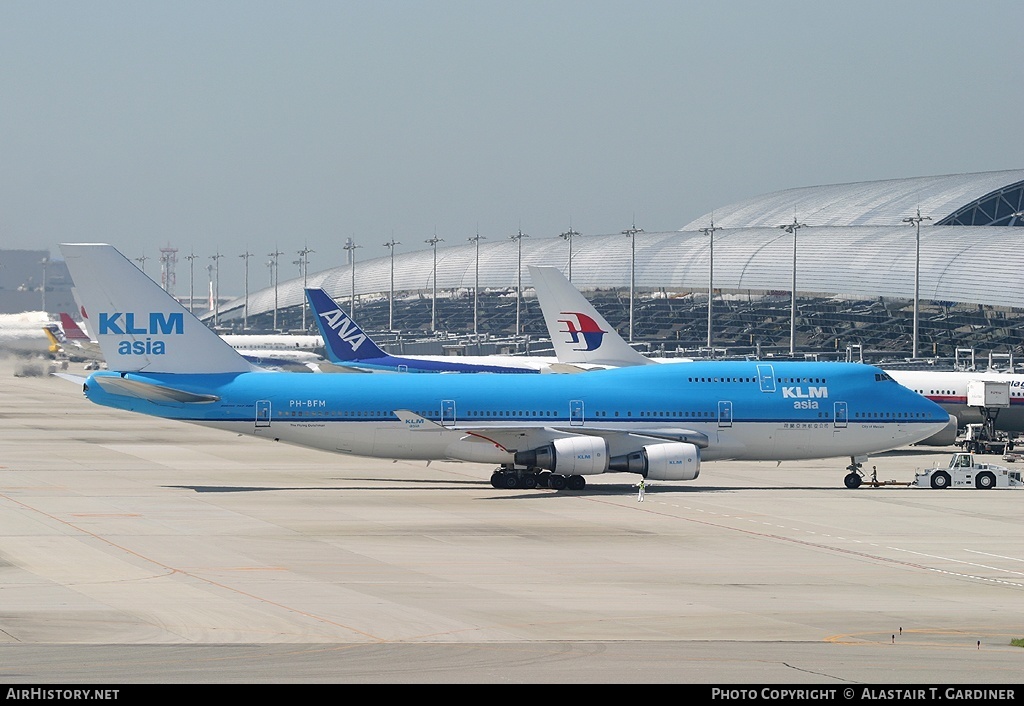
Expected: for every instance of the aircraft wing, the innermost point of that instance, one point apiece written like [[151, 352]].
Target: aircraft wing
[[78, 379], [511, 437]]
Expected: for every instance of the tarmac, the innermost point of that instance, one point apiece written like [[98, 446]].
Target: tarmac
[[140, 551]]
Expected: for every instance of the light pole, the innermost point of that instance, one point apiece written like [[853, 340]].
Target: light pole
[[518, 237], [209, 274], [433, 298], [274, 272], [216, 288], [793, 228], [391, 293], [245, 320], [351, 247], [631, 234], [568, 236], [476, 285], [304, 264], [141, 259], [44, 262], [710, 232], [916, 221], [191, 279]]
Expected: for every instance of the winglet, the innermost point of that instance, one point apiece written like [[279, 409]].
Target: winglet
[[343, 339], [578, 333]]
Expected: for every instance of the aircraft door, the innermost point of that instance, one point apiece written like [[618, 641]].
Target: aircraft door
[[447, 413], [766, 378], [262, 413], [576, 413], [841, 415], [403, 368], [724, 413]]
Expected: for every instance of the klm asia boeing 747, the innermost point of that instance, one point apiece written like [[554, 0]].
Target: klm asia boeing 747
[[658, 421]]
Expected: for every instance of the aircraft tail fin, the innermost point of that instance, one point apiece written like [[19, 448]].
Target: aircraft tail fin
[[343, 339], [138, 325], [71, 329], [84, 314], [578, 333], [56, 345]]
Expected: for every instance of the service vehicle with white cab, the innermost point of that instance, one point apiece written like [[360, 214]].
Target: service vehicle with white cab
[[964, 472]]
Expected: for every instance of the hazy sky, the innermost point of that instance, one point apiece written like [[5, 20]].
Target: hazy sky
[[232, 126]]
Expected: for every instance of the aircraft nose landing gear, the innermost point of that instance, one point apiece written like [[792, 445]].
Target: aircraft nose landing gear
[[854, 478]]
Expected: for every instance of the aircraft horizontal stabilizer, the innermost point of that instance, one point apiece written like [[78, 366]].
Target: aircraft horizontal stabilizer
[[149, 391], [415, 422], [569, 368]]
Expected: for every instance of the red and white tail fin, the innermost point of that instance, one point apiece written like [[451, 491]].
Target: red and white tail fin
[[71, 329]]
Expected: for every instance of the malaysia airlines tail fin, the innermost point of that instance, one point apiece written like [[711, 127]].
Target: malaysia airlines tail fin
[[578, 333], [139, 326], [72, 330], [344, 341]]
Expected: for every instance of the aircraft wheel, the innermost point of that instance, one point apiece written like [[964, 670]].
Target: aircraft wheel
[[529, 480], [576, 482], [510, 481], [852, 480], [985, 480], [556, 482], [496, 479], [940, 480], [542, 479]]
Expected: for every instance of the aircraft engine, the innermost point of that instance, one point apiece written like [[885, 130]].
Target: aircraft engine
[[670, 461], [571, 456]]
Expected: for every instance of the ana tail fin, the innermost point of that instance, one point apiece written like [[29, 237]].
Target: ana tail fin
[[139, 326], [578, 333], [344, 341]]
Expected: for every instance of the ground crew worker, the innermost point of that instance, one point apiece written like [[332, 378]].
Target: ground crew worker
[[640, 491]]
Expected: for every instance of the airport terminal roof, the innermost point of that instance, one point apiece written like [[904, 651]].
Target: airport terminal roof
[[855, 243], [987, 198]]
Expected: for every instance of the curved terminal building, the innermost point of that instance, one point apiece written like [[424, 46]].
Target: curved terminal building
[[855, 249]]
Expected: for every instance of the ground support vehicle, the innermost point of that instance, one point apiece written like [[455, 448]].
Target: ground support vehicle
[[964, 472]]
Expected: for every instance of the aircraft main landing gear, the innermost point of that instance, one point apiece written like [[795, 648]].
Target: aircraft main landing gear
[[510, 478]]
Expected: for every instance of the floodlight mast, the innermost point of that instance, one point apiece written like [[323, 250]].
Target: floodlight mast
[[391, 292], [351, 246], [793, 228], [710, 232], [476, 284], [631, 234], [568, 236], [433, 298], [916, 221], [275, 269], [518, 237], [245, 320]]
